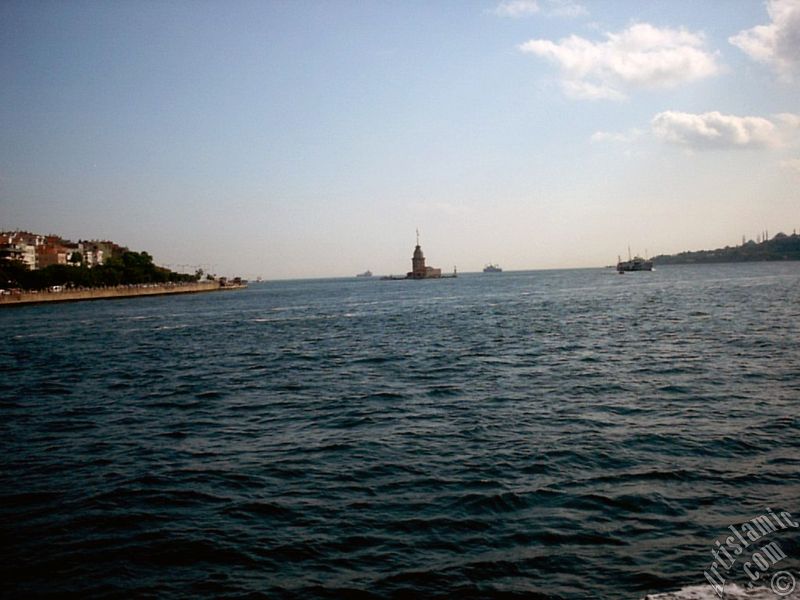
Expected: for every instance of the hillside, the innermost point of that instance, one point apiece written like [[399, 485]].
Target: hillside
[[780, 247]]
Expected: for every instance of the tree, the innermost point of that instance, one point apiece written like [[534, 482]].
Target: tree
[[127, 268]]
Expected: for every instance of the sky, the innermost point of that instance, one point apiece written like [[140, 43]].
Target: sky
[[311, 139]]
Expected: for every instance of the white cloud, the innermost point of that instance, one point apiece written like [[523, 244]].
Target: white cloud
[[788, 120], [619, 137], [792, 164], [716, 130], [641, 56], [517, 8], [778, 43], [567, 8], [584, 90], [553, 8]]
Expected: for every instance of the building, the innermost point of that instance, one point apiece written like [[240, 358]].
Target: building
[[96, 252], [418, 268], [53, 250], [50, 254], [24, 253], [20, 246], [38, 251], [91, 254], [34, 250], [22, 238]]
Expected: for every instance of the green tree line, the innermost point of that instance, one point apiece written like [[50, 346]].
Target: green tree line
[[780, 247], [127, 268]]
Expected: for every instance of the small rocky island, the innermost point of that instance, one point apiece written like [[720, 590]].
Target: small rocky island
[[419, 270]]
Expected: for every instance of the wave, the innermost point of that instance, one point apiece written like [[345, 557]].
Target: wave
[[731, 592]]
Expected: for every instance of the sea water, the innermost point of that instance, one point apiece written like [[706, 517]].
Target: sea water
[[550, 434]]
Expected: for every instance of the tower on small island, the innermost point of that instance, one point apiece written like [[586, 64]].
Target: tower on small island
[[418, 268]]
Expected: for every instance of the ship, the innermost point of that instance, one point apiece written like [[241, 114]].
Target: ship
[[492, 269], [366, 273], [636, 263]]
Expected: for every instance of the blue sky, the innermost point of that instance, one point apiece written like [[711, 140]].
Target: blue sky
[[304, 139]]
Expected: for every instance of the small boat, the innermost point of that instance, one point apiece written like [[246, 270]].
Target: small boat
[[492, 269], [366, 273]]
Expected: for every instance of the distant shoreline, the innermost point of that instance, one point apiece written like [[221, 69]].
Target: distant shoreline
[[658, 261], [132, 291], [780, 248]]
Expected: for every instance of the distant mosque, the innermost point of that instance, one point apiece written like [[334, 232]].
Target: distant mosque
[[418, 268]]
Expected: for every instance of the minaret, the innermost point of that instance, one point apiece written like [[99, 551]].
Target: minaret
[[418, 261]]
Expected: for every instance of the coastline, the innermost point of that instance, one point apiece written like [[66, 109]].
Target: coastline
[[124, 291]]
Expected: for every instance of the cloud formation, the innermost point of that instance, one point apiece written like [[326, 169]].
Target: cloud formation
[[778, 43], [619, 137], [518, 9], [716, 130], [567, 8], [791, 164], [639, 57], [585, 90], [713, 130]]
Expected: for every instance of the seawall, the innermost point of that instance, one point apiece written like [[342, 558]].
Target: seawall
[[124, 291]]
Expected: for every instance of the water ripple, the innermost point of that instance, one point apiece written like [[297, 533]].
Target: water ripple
[[564, 434]]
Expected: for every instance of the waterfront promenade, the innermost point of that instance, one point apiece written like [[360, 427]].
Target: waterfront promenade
[[16, 298]]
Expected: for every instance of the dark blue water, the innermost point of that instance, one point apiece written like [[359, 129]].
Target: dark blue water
[[560, 434]]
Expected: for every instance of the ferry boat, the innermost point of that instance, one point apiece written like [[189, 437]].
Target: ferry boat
[[366, 273], [637, 263], [492, 269]]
